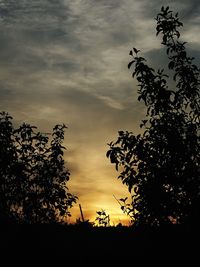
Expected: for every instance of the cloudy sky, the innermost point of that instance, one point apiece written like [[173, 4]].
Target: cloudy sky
[[65, 61]]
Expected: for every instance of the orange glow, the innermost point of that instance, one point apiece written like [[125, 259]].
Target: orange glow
[[116, 215], [95, 182]]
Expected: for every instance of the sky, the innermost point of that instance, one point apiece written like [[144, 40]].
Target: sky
[[65, 61]]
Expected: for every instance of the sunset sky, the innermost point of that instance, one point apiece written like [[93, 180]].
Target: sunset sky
[[65, 61]]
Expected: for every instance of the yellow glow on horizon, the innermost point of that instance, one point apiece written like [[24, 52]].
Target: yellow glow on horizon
[[95, 182], [89, 209]]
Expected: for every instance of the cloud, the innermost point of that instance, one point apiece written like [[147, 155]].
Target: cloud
[[111, 102]]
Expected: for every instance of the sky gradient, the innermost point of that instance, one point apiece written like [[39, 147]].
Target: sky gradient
[[65, 61]]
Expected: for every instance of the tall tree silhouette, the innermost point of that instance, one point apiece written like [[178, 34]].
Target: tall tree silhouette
[[161, 166], [32, 174]]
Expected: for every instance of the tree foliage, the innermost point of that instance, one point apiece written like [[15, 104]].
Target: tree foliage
[[103, 218], [33, 176], [161, 166], [127, 208]]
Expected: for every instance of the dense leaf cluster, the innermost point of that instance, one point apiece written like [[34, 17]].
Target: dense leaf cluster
[[162, 165], [33, 176]]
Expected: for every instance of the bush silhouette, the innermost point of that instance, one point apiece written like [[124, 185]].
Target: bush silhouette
[[32, 174], [161, 165]]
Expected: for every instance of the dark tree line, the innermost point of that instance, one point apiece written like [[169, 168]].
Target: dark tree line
[[161, 166], [33, 177]]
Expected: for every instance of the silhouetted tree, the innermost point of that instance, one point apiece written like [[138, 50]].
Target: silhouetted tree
[[33, 176], [161, 166]]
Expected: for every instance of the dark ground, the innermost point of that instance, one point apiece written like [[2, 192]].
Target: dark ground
[[79, 245]]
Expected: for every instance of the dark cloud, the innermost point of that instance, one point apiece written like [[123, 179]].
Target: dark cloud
[[27, 12]]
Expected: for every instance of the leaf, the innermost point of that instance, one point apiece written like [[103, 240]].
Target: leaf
[[130, 63], [108, 153], [144, 121], [168, 50], [130, 188], [116, 166], [171, 65], [121, 133], [113, 158], [164, 39], [133, 74], [135, 50]]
